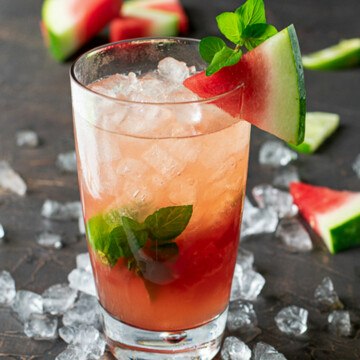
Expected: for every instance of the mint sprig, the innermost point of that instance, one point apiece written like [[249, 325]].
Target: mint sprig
[[244, 27]]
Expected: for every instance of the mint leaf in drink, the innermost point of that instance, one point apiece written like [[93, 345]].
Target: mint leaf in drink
[[224, 57], [230, 25], [256, 34], [118, 245], [166, 252], [168, 223], [246, 26], [209, 46], [252, 12], [136, 234]]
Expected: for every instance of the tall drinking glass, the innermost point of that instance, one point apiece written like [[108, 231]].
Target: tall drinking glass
[[162, 179]]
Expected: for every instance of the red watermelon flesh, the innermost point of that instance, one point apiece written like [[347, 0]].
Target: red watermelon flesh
[[333, 214], [274, 95], [129, 27]]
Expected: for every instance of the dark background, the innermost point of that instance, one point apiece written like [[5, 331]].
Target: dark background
[[35, 94]]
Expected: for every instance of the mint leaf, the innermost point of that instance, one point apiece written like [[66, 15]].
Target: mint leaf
[[136, 234], [209, 46], [252, 12], [118, 245], [230, 25], [256, 34], [168, 223], [165, 252], [224, 57]]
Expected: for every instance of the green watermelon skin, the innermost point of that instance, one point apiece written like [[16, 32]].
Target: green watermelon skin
[[274, 90], [333, 214]]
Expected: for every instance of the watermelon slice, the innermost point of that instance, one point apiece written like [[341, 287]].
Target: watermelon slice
[[170, 6], [334, 215], [274, 95], [129, 27], [68, 24], [161, 23]]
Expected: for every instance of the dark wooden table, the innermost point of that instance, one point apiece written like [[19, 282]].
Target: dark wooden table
[[35, 94]]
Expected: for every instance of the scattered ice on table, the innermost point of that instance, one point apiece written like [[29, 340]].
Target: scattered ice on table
[[257, 221], [356, 166], [263, 351], [50, 240], [27, 138], [57, 211], [67, 161], [58, 298], [10, 180], [339, 322], [241, 316], [85, 336], [173, 70], [81, 224], [245, 258], [281, 202], [246, 284], [27, 303], [326, 296], [82, 280], [85, 311], [72, 352], [275, 153], [235, 349], [41, 326], [293, 234], [83, 262], [292, 320], [2, 232], [285, 175], [7, 287]]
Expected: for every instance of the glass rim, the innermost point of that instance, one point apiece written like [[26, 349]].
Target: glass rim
[[124, 101]]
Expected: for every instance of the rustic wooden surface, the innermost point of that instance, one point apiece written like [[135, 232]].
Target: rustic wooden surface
[[35, 94]]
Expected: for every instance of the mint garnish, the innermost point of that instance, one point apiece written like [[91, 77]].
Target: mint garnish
[[244, 27]]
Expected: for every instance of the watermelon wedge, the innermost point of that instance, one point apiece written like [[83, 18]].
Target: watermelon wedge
[[334, 215], [169, 6], [274, 95], [129, 27], [68, 24]]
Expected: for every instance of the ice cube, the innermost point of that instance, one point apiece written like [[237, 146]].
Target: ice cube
[[275, 153], [339, 322], [292, 320], [234, 349], [257, 221], [326, 296], [57, 211], [58, 298], [41, 327], [83, 262], [293, 234], [27, 303], [81, 225], [2, 233], [241, 316], [50, 240], [27, 138], [85, 311], [172, 69], [252, 284], [82, 280], [72, 352], [356, 166], [7, 287], [263, 351], [236, 283], [280, 201], [10, 180], [285, 175], [245, 258], [67, 161]]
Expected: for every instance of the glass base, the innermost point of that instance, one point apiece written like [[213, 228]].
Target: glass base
[[130, 343]]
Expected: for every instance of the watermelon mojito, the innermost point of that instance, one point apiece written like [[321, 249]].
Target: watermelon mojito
[[162, 177]]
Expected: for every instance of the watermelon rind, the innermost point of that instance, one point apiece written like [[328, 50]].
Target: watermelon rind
[[319, 126], [340, 228], [344, 55]]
